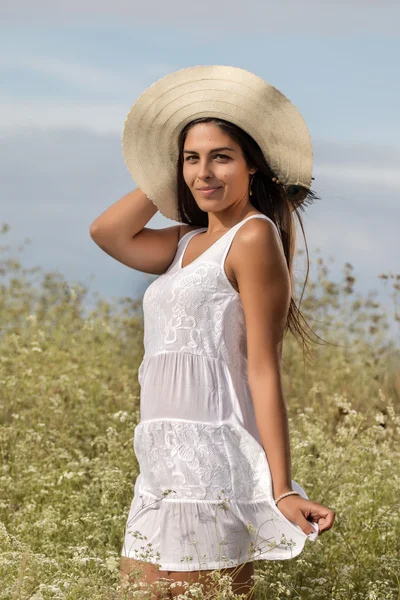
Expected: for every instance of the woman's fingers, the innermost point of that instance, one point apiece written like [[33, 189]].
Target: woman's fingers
[[320, 514], [305, 524]]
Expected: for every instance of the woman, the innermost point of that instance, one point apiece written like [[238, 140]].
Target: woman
[[228, 156]]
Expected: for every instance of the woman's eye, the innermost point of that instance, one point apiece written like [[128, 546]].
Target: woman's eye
[[218, 156]]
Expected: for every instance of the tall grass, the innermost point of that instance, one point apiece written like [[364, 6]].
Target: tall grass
[[69, 402]]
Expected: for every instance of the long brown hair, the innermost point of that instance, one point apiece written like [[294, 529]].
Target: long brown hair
[[273, 200]]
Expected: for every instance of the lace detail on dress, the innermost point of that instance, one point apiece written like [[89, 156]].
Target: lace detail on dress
[[180, 317], [199, 460]]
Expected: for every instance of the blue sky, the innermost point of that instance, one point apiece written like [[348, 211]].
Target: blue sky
[[68, 78]]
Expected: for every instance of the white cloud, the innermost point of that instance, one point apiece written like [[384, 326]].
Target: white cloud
[[288, 16], [79, 74], [346, 238], [100, 118], [104, 114], [388, 177]]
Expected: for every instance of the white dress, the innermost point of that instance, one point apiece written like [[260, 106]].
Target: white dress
[[203, 497]]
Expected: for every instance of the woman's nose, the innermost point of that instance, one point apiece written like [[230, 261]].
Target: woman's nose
[[204, 170]]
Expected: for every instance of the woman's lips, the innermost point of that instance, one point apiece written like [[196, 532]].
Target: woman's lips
[[209, 192]]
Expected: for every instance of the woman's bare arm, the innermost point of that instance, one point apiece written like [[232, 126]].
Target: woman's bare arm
[[126, 217], [120, 232], [264, 286]]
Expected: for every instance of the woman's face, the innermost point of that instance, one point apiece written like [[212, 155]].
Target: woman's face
[[212, 159]]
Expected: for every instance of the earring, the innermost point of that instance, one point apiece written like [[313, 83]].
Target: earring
[[251, 183]]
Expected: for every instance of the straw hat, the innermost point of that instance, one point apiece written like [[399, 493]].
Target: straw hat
[[152, 126]]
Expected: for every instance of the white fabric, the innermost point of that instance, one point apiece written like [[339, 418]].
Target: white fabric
[[204, 475]]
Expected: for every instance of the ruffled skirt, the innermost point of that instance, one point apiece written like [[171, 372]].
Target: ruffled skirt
[[203, 499]]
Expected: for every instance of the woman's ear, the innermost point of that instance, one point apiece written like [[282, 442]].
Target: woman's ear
[[253, 170]]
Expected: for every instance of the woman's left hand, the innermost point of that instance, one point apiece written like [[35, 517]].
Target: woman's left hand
[[301, 511]]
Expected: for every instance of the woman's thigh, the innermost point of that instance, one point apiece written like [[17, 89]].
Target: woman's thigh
[[242, 582], [151, 578]]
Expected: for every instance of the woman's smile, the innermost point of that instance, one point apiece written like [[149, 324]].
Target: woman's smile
[[209, 191]]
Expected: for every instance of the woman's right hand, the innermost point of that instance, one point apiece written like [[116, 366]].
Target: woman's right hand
[[301, 511]]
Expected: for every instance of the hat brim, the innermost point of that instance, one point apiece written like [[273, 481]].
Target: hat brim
[[153, 124]]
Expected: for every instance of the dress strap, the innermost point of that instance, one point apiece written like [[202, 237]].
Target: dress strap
[[235, 228], [189, 234]]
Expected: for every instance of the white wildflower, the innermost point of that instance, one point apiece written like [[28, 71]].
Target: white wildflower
[[121, 415], [380, 418], [81, 394]]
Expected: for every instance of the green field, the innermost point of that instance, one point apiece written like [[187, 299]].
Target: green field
[[69, 403]]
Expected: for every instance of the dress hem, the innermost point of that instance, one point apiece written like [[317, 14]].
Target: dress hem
[[216, 565]]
